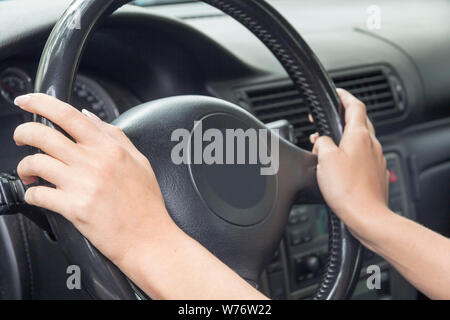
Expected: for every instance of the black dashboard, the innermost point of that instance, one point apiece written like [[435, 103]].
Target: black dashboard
[[400, 71]]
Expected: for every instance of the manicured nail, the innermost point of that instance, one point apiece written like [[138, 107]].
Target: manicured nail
[[313, 137], [21, 100], [91, 115]]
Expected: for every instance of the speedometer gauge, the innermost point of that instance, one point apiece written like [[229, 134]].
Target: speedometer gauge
[[89, 95], [14, 82]]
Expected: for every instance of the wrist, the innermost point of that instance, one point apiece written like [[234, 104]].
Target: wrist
[[368, 228], [153, 238], [159, 264], [179, 267]]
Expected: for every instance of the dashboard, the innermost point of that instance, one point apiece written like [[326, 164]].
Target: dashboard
[[141, 54]]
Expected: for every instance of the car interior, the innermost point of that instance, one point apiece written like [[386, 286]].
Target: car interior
[[148, 50]]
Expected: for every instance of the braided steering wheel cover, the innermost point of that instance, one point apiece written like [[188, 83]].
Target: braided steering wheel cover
[[301, 64]]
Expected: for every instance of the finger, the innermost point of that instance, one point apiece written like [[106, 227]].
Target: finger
[[355, 110], [388, 176], [46, 197], [313, 137], [323, 146], [371, 127], [114, 132], [43, 166], [93, 117], [64, 115], [47, 139]]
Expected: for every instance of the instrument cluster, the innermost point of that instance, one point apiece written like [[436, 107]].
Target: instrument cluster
[[87, 93]]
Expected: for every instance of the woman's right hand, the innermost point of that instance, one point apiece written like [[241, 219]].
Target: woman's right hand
[[354, 181], [103, 184], [353, 176]]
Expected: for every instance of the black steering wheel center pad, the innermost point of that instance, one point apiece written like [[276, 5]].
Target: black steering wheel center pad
[[240, 194]]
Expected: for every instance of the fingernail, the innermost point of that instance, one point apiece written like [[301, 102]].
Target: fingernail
[[310, 118], [21, 100], [91, 115], [313, 137]]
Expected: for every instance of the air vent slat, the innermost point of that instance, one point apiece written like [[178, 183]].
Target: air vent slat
[[370, 88], [384, 114], [282, 101], [375, 97], [381, 106], [311, 127], [360, 81], [291, 102], [300, 121], [279, 95], [284, 113]]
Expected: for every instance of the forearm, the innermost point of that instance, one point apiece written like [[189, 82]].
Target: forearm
[[419, 254], [178, 267]]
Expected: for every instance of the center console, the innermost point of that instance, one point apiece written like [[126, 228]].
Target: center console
[[298, 266]]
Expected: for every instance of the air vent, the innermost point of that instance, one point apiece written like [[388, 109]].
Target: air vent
[[382, 95], [275, 101]]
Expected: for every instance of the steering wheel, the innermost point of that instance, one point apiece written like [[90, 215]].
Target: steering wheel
[[233, 210]]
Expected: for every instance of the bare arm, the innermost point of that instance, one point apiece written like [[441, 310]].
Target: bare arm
[[178, 267], [419, 254]]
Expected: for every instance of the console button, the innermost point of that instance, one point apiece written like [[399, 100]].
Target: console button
[[312, 263], [307, 238], [309, 276], [395, 188], [394, 179], [307, 267], [293, 219], [296, 238], [303, 218], [300, 271], [299, 214], [392, 176]]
